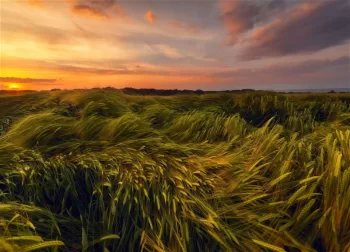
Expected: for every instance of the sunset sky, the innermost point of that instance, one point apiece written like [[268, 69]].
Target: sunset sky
[[186, 44]]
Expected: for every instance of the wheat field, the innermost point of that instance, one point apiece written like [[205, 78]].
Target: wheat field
[[101, 170]]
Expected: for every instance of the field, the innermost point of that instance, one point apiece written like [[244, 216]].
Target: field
[[100, 170]]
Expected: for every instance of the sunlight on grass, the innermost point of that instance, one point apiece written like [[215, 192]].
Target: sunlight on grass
[[93, 170]]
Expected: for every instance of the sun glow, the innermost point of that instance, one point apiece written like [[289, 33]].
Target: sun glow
[[14, 86]]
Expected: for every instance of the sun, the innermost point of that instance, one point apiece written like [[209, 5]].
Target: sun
[[13, 86]]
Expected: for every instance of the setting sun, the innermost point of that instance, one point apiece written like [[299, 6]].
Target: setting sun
[[14, 86]]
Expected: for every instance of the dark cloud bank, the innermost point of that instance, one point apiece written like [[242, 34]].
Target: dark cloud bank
[[286, 27]]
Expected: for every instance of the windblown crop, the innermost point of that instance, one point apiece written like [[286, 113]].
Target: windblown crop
[[99, 170]]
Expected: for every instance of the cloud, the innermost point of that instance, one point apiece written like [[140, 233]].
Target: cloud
[[94, 3], [168, 51], [97, 9], [276, 4], [277, 28], [25, 80], [33, 3], [92, 70], [87, 11], [131, 70], [150, 17], [85, 69], [240, 16], [321, 73], [292, 70], [42, 34], [185, 27], [308, 27], [311, 66]]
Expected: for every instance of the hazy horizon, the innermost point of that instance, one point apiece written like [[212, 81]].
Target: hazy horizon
[[192, 44]]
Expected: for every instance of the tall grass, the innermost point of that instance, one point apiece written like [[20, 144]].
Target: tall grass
[[97, 170]]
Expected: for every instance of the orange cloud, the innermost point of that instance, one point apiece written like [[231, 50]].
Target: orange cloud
[[87, 11], [33, 3], [150, 17], [305, 9], [186, 28], [24, 80], [118, 12], [239, 16]]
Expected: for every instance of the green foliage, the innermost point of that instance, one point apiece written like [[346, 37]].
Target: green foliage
[[96, 170]]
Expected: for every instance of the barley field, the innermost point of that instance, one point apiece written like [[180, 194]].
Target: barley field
[[102, 170]]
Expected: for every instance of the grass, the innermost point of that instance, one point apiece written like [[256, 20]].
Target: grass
[[99, 170]]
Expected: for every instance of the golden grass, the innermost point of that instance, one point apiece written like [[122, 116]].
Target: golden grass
[[95, 169]]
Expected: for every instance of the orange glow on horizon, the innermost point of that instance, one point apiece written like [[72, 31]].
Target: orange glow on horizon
[[14, 86]]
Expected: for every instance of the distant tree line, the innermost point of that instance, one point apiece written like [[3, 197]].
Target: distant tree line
[[169, 92]]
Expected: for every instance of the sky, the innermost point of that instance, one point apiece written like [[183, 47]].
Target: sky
[[168, 44]]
